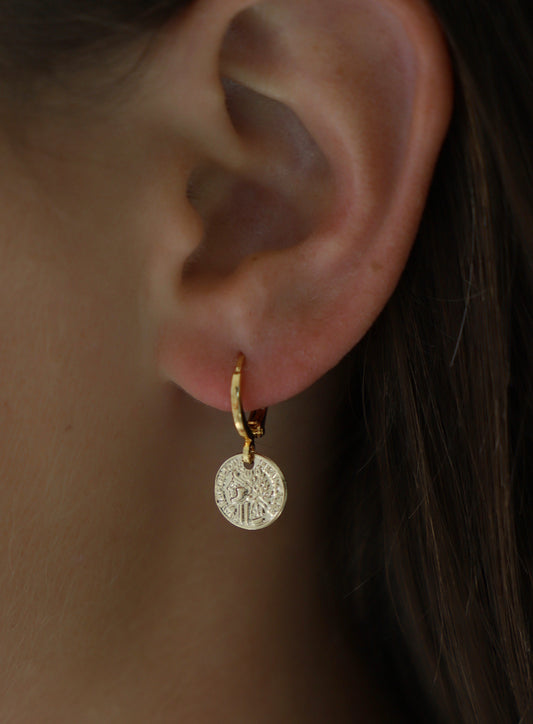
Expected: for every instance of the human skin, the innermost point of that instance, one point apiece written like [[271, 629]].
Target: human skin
[[126, 597]]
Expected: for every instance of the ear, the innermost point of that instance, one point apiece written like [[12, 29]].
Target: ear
[[313, 129]]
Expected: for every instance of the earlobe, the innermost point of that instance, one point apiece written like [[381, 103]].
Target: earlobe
[[321, 129]]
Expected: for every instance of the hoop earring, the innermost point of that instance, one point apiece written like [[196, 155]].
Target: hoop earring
[[250, 490]]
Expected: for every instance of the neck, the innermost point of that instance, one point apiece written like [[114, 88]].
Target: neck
[[181, 616], [241, 616]]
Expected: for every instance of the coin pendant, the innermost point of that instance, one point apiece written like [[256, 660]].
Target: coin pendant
[[250, 498]]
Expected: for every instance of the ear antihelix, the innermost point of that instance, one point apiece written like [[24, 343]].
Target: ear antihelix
[[250, 490]]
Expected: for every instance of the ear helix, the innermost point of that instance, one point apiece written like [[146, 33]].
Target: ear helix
[[250, 490]]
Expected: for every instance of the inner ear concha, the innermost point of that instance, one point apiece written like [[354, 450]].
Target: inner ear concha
[[275, 204], [241, 220]]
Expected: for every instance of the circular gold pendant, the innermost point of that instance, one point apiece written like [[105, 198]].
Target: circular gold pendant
[[250, 498]]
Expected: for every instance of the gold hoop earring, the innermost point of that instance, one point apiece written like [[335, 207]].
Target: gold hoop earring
[[250, 490]]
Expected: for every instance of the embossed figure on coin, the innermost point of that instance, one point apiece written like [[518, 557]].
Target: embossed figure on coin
[[250, 498]]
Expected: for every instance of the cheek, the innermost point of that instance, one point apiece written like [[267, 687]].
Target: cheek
[[76, 451], [57, 361]]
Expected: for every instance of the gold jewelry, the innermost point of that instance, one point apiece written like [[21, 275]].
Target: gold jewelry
[[250, 490]]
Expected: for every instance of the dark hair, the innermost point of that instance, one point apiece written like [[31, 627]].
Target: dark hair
[[434, 559], [442, 533], [38, 36]]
